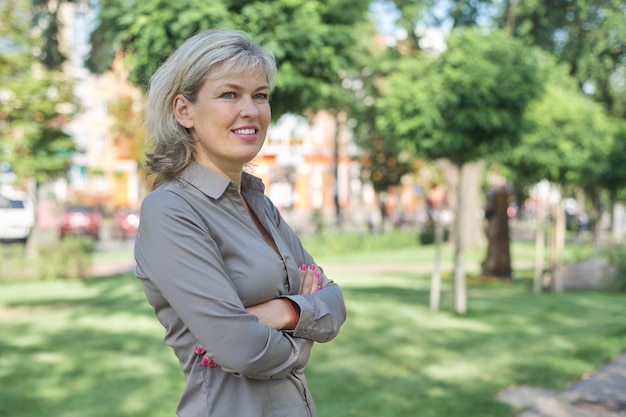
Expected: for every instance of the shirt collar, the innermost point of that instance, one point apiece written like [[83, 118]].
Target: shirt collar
[[215, 185]]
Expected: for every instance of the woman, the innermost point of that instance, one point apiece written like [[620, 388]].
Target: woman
[[241, 300]]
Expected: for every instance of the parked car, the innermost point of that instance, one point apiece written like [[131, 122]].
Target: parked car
[[125, 223], [81, 220], [17, 217]]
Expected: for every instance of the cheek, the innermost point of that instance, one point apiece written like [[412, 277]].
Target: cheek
[[265, 115]]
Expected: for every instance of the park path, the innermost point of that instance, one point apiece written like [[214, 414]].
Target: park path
[[601, 394]]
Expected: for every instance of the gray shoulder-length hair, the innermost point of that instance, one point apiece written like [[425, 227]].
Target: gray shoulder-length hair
[[211, 54]]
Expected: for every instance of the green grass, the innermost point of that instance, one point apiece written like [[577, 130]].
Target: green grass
[[75, 348]]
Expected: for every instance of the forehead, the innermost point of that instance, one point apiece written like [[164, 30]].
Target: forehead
[[251, 81], [237, 68]]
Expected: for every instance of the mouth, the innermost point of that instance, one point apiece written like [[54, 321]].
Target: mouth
[[247, 134], [246, 131]]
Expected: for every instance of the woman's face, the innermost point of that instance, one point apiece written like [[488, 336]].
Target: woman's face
[[228, 121]]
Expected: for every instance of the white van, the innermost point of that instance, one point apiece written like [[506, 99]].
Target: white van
[[17, 216]]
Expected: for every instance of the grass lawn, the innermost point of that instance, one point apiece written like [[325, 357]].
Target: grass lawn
[[77, 348]]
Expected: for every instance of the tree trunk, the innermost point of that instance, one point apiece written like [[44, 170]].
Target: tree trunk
[[509, 17], [338, 219], [559, 245], [612, 210], [597, 219], [498, 260], [435, 284], [472, 173], [459, 291], [540, 244]]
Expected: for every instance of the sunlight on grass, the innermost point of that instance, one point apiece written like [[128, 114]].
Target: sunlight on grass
[[76, 348]]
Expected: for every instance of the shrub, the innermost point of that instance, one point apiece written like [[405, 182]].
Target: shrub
[[616, 256], [71, 258]]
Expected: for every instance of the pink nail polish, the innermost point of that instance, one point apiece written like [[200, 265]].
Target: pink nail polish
[[199, 350], [212, 364], [205, 361], [312, 267], [302, 267], [317, 275], [319, 287]]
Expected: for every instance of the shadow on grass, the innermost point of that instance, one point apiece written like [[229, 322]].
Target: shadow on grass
[[100, 355], [395, 357], [93, 347]]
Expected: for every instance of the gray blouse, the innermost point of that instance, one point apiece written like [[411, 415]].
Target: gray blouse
[[202, 261]]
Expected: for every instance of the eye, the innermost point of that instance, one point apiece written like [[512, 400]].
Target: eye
[[262, 96], [229, 95]]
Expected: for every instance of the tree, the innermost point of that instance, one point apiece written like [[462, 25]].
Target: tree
[[563, 148], [464, 105], [35, 103], [613, 176], [313, 41], [589, 37]]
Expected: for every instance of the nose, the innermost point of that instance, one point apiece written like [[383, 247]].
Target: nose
[[249, 108]]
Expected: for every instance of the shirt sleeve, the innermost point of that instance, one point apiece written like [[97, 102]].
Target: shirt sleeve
[[178, 256], [323, 313]]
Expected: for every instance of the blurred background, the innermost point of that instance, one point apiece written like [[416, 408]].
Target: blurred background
[[433, 155], [476, 116]]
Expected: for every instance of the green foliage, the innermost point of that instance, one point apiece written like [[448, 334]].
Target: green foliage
[[616, 256], [35, 104], [589, 36], [613, 176], [383, 164], [45, 17], [148, 31], [465, 104], [427, 234], [571, 140], [69, 258], [312, 40], [337, 244]]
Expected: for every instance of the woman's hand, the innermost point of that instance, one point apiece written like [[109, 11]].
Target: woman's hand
[[309, 280], [206, 360]]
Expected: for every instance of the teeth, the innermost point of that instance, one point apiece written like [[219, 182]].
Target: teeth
[[245, 131]]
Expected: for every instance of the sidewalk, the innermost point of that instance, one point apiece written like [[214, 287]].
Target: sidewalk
[[601, 394]]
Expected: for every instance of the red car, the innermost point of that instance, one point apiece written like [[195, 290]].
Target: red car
[[125, 223], [81, 220]]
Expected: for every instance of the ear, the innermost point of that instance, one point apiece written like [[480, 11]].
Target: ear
[[181, 108]]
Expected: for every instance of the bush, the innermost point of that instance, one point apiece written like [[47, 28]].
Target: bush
[[71, 258], [333, 243], [616, 256], [427, 234], [68, 258]]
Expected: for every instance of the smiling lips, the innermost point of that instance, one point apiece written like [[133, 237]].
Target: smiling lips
[[247, 133]]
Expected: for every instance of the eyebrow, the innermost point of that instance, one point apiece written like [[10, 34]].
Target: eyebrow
[[239, 87]]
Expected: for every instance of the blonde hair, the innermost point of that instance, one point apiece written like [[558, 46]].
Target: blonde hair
[[211, 54]]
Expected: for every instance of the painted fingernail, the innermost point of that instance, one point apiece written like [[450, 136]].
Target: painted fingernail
[[205, 361], [312, 267], [212, 364], [319, 287], [317, 275], [199, 349], [303, 267]]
